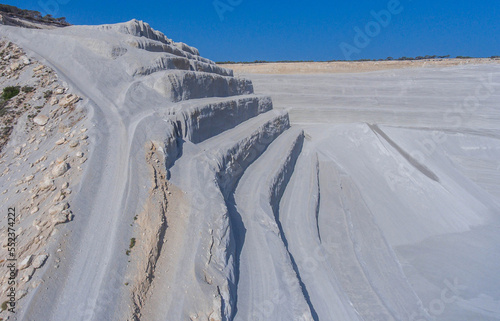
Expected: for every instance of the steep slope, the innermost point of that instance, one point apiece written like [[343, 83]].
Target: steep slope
[[165, 122]]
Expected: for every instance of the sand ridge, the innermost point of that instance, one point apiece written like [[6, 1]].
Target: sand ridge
[[350, 66]]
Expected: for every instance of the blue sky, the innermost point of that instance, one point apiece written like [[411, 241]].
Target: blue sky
[[245, 30]]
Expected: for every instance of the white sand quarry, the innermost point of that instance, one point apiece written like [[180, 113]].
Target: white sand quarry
[[364, 196]]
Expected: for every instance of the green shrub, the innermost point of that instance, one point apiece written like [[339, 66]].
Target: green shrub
[[6, 131], [132, 243], [9, 92], [47, 94], [27, 89]]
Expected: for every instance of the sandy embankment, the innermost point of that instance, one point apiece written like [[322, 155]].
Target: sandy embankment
[[350, 66]]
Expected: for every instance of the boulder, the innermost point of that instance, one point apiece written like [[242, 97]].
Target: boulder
[[59, 219], [58, 208], [68, 100], [53, 101], [39, 261], [59, 197], [25, 263], [59, 91], [15, 66], [28, 273], [47, 183], [41, 120], [25, 60], [60, 169], [69, 215]]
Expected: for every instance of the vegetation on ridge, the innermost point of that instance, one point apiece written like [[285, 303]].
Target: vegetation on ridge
[[9, 92], [31, 15]]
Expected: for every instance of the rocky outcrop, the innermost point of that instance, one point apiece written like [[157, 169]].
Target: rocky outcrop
[[179, 85], [199, 122], [34, 159]]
